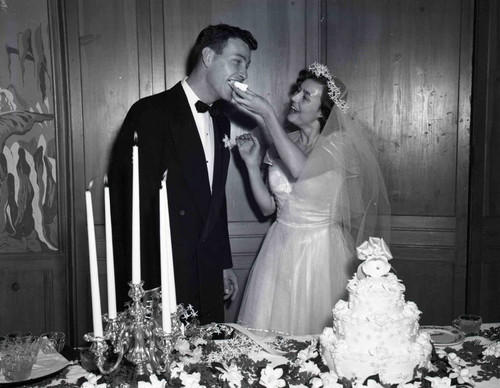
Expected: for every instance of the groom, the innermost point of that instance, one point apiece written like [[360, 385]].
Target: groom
[[180, 130]]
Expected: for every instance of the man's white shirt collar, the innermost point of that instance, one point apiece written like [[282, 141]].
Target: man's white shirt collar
[[204, 125]]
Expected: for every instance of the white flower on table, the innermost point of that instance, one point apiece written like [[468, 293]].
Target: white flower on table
[[86, 384], [441, 353], [154, 383], [463, 376], [440, 382], [192, 356], [182, 346], [493, 349], [307, 353], [326, 380], [176, 368], [92, 381], [231, 374], [199, 341], [416, 384], [271, 378], [455, 361], [309, 367], [191, 380]]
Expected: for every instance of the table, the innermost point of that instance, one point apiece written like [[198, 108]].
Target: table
[[74, 372], [475, 369]]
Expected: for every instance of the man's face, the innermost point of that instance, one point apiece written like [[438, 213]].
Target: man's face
[[230, 65]]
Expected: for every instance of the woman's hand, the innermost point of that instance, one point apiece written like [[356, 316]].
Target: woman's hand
[[249, 149], [252, 102]]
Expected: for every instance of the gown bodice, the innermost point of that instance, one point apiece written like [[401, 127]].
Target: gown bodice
[[304, 202]]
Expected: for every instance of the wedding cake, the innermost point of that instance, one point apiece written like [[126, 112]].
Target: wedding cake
[[376, 331]]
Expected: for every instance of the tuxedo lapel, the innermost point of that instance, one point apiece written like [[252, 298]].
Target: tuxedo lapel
[[190, 151]]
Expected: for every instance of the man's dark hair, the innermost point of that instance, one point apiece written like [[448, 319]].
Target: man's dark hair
[[216, 38]]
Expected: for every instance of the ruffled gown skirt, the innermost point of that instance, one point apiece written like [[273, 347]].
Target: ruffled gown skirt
[[300, 273]]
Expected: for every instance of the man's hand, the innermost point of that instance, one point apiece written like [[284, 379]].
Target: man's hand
[[230, 284]]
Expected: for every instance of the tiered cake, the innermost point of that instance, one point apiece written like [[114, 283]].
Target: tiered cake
[[376, 332]]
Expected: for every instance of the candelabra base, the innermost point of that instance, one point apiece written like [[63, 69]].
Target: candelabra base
[[136, 335]]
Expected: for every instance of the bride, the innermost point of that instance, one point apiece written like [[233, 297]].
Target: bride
[[325, 188]]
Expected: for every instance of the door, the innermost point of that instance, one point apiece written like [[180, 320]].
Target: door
[[484, 258]]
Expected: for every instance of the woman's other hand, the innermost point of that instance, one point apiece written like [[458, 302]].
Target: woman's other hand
[[249, 148]]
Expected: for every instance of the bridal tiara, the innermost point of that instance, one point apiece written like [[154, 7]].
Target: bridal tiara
[[335, 94]]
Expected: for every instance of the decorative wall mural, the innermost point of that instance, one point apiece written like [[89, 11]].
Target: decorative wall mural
[[28, 174]]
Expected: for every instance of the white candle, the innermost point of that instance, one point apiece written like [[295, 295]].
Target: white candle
[[94, 273], [169, 255], [110, 266], [164, 268], [136, 234]]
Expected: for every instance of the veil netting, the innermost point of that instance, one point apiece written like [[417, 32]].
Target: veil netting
[[359, 204]]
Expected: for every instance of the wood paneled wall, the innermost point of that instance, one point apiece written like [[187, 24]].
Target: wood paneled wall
[[408, 67], [120, 51], [406, 63]]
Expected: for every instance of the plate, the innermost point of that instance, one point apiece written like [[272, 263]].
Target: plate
[[444, 335], [45, 366]]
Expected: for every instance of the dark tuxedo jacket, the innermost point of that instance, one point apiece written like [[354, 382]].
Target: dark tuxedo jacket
[[168, 139]]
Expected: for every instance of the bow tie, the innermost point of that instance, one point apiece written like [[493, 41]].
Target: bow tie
[[202, 108]]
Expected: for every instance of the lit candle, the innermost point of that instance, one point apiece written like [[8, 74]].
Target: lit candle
[[169, 255], [94, 273], [164, 268], [136, 233], [110, 266]]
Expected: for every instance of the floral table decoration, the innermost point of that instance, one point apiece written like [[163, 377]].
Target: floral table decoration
[[235, 360]]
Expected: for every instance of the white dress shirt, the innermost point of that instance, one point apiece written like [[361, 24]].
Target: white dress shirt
[[205, 129]]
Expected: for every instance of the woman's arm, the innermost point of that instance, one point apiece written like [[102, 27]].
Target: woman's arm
[[249, 148], [293, 157]]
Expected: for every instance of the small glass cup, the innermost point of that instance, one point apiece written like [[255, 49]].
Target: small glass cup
[[19, 357], [52, 342], [468, 323], [18, 335]]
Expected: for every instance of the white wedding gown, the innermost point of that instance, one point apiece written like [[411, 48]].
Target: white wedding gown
[[305, 261]]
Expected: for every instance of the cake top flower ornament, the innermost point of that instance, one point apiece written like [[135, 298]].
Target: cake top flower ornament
[[375, 255]]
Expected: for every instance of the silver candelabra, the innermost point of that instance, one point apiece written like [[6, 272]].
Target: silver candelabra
[[137, 335]]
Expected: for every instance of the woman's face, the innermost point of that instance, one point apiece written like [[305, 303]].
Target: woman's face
[[305, 104]]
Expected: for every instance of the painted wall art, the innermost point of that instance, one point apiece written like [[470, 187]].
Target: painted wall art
[[28, 173]]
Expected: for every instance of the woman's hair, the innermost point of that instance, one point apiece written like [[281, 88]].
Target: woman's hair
[[326, 102]]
